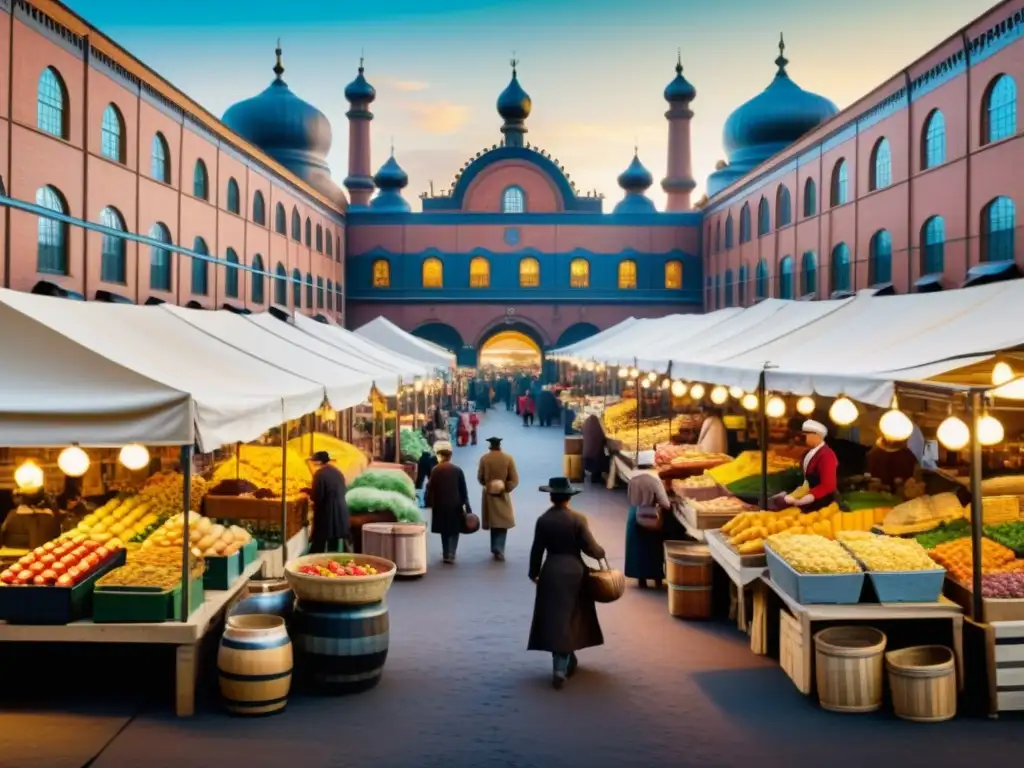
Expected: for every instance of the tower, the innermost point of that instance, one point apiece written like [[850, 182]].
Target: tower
[[514, 106], [360, 95], [679, 183], [635, 181]]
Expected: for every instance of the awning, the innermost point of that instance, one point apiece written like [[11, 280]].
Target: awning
[[388, 335], [929, 283], [46, 288], [112, 298], [991, 272]]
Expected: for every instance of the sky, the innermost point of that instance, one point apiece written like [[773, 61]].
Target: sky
[[595, 69]]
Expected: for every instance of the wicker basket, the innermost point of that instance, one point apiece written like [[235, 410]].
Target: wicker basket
[[606, 584], [350, 590]]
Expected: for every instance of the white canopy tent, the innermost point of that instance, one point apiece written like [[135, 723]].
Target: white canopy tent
[[576, 352], [388, 335]]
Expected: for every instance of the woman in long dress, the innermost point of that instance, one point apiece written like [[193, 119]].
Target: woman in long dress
[[645, 555]]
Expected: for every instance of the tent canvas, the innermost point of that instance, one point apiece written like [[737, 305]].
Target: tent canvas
[[385, 333], [578, 349]]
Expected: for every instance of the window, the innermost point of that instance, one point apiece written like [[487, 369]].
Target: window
[[810, 198], [761, 280], [880, 258], [329, 296], [933, 246], [160, 271], [281, 285], [319, 239], [741, 285], [711, 293], [200, 181], [728, 232], [808, 274], [433, 273], [309, 290], [280, 220], [259, 210], [840, 267], [839, 194], [297, 288], [673, 275], [745, 223], [579, 273], [231, 274], [234, 198], [513, 201], [998, 222], [113, 258], [309, 233], [51, 235], [329, 243], [764, 218], [718, 291], [338, 304], [627, 274], [257, 279], [112, 134], [933, 145], [200, 268], [381, 273], [728, 287], [319, 293], [479, 272], [160, 159], [718, 236], [529, 273], [783, 207], [881, 165], [999, 110], [52, 104], [786, 278]]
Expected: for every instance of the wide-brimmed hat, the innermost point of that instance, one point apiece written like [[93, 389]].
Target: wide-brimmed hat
[[561, 486], [494, 441], [322, 457]]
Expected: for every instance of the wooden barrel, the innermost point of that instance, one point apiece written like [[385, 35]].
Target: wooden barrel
[[377, 540], [572, 467], [342, 648], [254, 664], [848, 668], [688, 574], [270, 596], [923, 683], [356, 523], [410, 545], [573, 445]]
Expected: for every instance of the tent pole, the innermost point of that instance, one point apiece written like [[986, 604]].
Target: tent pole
[[977, 508], [398, 421], [186, 539], [639, 405], [284, 493], [763, 421]]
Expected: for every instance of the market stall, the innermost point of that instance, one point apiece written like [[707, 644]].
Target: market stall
[[383, 332]]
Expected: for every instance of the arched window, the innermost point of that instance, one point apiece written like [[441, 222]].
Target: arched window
[[513, 200], [160, 159], [761, 280], [52, 104], [433, 273], [309, 289], [112, 134], [297, 288], [280, 285], [309, 233], [257, 279], [329, 295], [673, 275], [319, 293], [479, 272], [728, 287], [786, 278], [160, 268], [627, 274], [200, 181], [810, 198], [783, 206], [999, 110], [51, 235], [329, 238], [381, 273], [718, 236], [579, 273], [259, 209], [881, 165], [839, 193], [764, 218], [998, 227], [728, 232], [113, 258], [529, 273], [200, 268], [741, 285], [296, 226], [234, 198], [280, 220], [745, 223], [933, 246], [231, 274], [319, 239], [839, 266], [880, 258], [808, 273], [933, 140]]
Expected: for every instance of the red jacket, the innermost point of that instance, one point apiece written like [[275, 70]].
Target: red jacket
[[826, 466]]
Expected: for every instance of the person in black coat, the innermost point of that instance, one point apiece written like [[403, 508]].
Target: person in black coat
[[424, 467], [448, 499], [330, 510]]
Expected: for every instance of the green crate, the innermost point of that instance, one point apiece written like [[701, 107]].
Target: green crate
[[221, 572], [196, 597], [135, 605], [250, 552]]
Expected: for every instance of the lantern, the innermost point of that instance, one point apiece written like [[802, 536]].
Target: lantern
[[591, 366], [633, 373], [719, 395], [805, 406], [646, 383], [953, 433], [749, 402], [623, 373], [990, 430], [843, 412], [1002, 373], [697, 391], [775, 407], [73, 461], [678, 388], [736, 392], [665, 383], [28, 477], [134, 457], [895, 424]]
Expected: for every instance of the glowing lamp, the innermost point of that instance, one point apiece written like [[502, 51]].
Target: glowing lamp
[[1002, 373], [28, 477], [895, 424], [73, 461], [633, 373], [736, 392], [843, 412], [646, 383], [719, 395], [775, 407], [805, 406], [678, 388], [990, 430], [665, 383], [953, 434], [134, 457], [600, 367], [623, 373], [749, 402], [418, 385], [591, 366], [697, 391]]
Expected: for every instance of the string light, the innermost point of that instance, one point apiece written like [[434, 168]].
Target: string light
[[805, 405], [134, 457], [73, 461], [678, 388], [843, 411], [697, 391], [736, 392], [775, 407], [719, 395], [749, 401], [895, 425], [29, 476]]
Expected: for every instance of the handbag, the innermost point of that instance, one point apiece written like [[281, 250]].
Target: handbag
[[470, 523], [650, 519], [606, 584]]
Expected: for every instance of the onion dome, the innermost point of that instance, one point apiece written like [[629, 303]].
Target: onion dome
[[635, 181], [359, 91], [514, 103], [390, 180], [680, 90]]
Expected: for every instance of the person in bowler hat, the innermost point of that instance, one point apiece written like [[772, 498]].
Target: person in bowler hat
[[448, 500], [330, 510], [497, 474]]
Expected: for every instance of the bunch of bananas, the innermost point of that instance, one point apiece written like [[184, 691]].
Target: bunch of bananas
[[812, 554], [748, 531], [884, 553]]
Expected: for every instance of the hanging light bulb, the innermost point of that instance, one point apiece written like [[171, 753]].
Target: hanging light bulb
[[843, 411], [591, 366], [736, 392], [990, 430], [719, 395], [1002, 373], [678, 388], [646, 383], [953, 433], [29, 476], [600, 367], [623, 373], [805, 406], [697, 391], [749, 402], [633, 373], [73, 461], [652, 376], [895, 425], [418, 385], [665, 383], [134, 457], [775, 407]]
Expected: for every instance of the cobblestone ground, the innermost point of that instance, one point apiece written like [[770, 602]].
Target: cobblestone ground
[[461, 690]]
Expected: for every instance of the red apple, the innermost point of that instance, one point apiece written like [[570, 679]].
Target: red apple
[[38, 552], [27, 560], [80, 552], [49, 575], [25, 577], [48, 559], [77, 540], [91, 544], [37, 567], [50, 546], [69, 559], [103, 553], [92, 559], [75, 573], [59, 568], [39, 581], [65, 581], [8, 577]]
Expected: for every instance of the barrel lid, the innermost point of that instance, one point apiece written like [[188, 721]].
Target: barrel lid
[[261, 586], [686, 549]]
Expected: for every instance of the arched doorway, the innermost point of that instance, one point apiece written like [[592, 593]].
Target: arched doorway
[[510, 351], [445, 336], [575, 333]]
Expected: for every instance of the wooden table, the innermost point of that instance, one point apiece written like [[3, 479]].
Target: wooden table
[[186, 635], [738, 574]]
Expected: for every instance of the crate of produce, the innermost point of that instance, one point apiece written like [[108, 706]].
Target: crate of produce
[[144, 605], [811, 589], [999, 509], [250, 509], [250, 552], [908, 586], [993, 609], [900, 570], [1009, 534], [222, 571]]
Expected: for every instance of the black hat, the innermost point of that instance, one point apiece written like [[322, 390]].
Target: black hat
[[559, 485], [321, 456], [494, 441]]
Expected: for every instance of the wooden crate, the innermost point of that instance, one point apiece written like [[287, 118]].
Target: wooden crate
[[791, 652], [259, 510], [1008, 657]]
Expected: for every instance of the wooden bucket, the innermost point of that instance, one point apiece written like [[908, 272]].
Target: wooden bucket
[[377, 540], [689, 602], [572, 467], [269, 596], [254, 664], [356, 523], [688, 564], [923, 683], [341, 647], [410, 544], [848, 668], [573, 445]]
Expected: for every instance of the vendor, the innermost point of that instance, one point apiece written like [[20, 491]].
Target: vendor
[[713, 437], [820, 467], [890, 461]]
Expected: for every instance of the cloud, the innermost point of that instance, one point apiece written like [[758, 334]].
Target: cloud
[[438, 117], [410, 86]]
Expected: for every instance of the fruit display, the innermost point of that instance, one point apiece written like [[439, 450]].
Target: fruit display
[[887, 554], [922, 513], [951, 531], [62, 563], [207, 539], [693, 457], [128, 519], [337, 569], [652, 432], [163, 492], [665, 453], [827, 522], [261, 466], [957, 558], [151, 568], [748, 464], [696, 481], [1008, 534], [845, 536], [721, 506], [346, 457], [812, 554], [619, 416]]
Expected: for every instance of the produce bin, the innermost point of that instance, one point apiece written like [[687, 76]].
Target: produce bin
[[147, 605], [221, 571], [250, 552], [810, 589], [908, 586]]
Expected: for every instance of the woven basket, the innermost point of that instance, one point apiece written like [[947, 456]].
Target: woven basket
[[607, 584], [351, 590]]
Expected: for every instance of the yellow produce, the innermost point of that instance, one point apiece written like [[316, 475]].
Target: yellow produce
[[349, 459], [163, 492], [753, 547], [802, 491], [845, 536], [812, 554], [261, 466], [884, 553]]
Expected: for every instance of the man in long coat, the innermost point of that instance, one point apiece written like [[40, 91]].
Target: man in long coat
[[448, 500], [330, 510], [497, 474]]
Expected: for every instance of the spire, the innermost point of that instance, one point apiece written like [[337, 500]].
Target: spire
[[362, 56], [278, 66], [392, 146], [679, 61], [514, 63], [782, 61]]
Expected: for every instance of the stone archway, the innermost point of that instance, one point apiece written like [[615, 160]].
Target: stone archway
[[446, 336], [511, 327], [575, 333]]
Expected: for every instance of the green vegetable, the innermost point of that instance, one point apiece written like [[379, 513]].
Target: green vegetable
[[364, 500], [394, 480], [958, 529], [1008, 534], [412, 444], [858, 500], [779, 482]]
